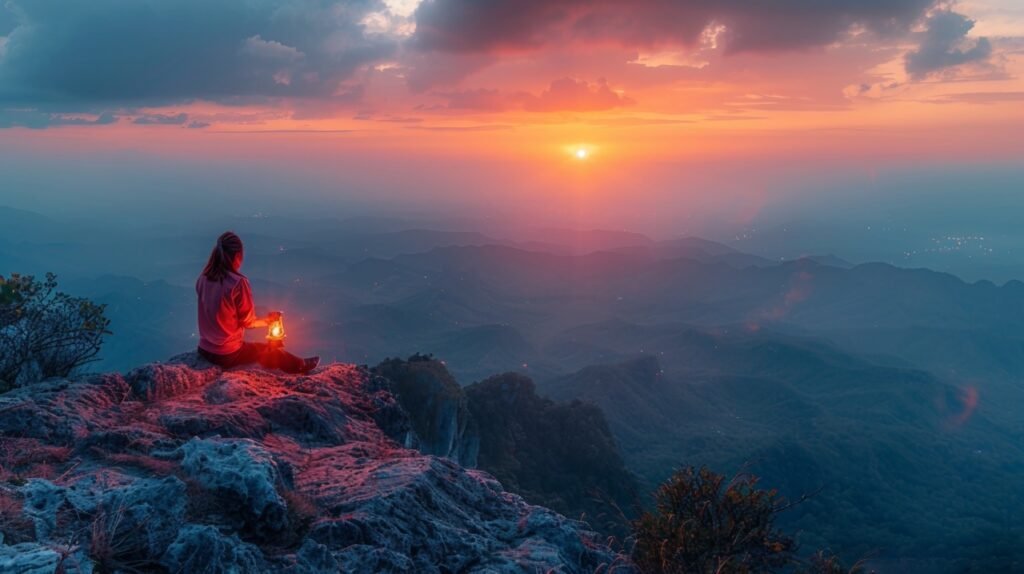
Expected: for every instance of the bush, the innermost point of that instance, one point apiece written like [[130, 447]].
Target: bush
[[44, 332], [704, 524], [826, 563]]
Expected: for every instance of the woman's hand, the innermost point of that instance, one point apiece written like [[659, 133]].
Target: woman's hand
[[264, 322]]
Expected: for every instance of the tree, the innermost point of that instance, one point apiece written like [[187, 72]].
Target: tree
[[44, 332], [703, 524]]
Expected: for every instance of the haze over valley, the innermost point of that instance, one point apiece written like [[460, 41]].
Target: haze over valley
[[883, 389]]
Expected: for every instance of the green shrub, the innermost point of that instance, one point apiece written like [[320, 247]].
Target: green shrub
[[45, 333], [703, 523]]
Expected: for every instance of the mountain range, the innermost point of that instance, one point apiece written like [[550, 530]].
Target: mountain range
[[889, 393]]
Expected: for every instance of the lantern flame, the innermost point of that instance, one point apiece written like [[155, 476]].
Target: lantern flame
[[275, 330]]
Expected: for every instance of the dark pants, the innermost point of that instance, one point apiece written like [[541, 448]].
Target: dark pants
[[262, 353]]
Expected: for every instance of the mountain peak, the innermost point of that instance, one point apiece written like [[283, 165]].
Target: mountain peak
[[187, 467]]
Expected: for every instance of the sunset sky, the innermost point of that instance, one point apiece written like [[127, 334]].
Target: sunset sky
[[720, 108]]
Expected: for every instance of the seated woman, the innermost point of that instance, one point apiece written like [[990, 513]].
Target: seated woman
[[226, 310]]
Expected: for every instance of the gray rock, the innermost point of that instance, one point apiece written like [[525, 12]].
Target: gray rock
[[243, 472], [60, 411], [313, 558], [28, 558], [202, 549], [437, 407], [141, 516], [228, 420], [363, 558], [41, 501], [442, 517], [230, 387], [159, 381], [320, 421], [388, 413], [146, 515]]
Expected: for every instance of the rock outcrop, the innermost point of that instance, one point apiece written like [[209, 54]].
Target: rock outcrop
[[183, 467], [559, 455], [437, 407]]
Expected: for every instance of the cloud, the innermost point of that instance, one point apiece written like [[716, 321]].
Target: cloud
[[871, 90], [259, 48], [161, 119], [945, 45], [33, 119], [563, 95], [473, 26], [128, 51], [575, 95]]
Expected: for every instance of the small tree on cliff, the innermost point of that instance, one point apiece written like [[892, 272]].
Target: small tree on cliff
[[703, 523], [44, 332]]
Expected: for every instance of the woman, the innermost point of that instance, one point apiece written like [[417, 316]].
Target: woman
[[226, 310]]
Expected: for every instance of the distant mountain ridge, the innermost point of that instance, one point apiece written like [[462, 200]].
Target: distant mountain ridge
[[807, 418]]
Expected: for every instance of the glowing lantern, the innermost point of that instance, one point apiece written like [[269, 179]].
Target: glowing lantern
[[275, 331]]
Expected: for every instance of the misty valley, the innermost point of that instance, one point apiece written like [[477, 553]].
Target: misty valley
[[884, 399]]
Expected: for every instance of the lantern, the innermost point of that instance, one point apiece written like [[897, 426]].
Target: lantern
[[275, 331]]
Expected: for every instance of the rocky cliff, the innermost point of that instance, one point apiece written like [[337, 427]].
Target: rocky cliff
[[558, 455], [437, 408], [183, 467]]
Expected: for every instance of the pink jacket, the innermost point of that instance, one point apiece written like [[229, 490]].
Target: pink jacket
[[225, 310]]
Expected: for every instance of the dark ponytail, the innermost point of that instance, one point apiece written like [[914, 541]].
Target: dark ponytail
[[222, 258]]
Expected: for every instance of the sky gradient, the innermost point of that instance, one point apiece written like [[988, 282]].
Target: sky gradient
[[702, 108]]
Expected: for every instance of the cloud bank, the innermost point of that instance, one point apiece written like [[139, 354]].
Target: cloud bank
[[768, 25], [172, 50], [945, 45], [71, 62]]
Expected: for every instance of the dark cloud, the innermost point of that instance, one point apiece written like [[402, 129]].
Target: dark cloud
[[469, 26], [176, 50], [161, 119], [945, 45], [34, 119]]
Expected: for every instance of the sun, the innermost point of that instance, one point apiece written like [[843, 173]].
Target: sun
[[581, 152]]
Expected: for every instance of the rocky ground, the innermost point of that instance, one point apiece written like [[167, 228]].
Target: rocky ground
[[183, 467]]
